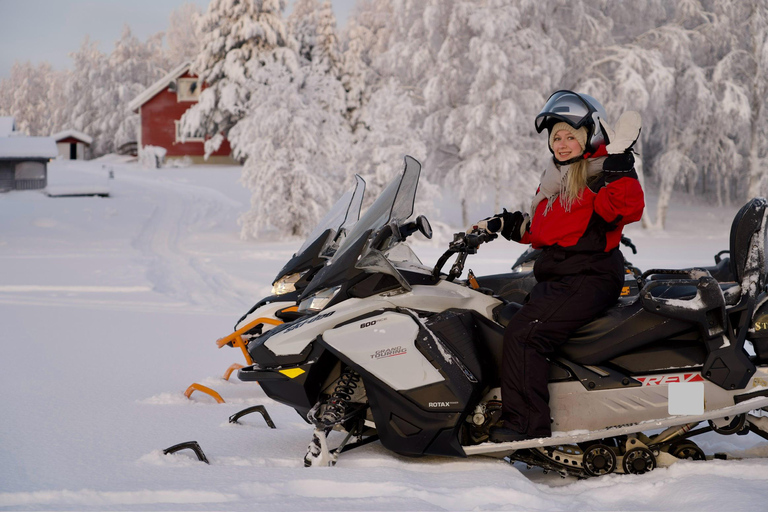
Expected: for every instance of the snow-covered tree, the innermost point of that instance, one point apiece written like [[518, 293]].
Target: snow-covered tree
[[302, 25], [84, 92], [25, 95], [292, 137], [632, 77], [492, 73], [134, 65], [93, 96], [239, 37], [754, 46], [375, 21], [325, 53], [390, 130], [631, 18], [353, 74], [57, 98], [184, 36]]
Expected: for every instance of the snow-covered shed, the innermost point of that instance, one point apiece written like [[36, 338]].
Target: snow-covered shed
[[160, 108], [24, 162], [72, 144]]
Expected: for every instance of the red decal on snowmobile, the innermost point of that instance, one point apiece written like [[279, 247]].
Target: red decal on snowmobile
[[663, 380]]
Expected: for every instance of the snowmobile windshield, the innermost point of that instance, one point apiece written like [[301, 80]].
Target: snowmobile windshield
[[394, 204], [323, 241], [564, 106], [341, 217]]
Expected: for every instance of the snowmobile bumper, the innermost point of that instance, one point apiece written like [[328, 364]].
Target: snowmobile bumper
[[296, 385], [236, 338], [255, 374]]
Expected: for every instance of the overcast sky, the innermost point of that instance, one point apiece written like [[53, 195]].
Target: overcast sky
[[48, 30]]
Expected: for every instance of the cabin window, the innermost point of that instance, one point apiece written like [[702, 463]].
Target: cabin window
[[30, 171], [187, 89], [188, 139]]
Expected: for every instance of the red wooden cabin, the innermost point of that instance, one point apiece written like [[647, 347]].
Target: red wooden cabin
[[160, 108]]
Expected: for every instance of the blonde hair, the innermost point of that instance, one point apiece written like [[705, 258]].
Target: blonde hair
[[575, 181]]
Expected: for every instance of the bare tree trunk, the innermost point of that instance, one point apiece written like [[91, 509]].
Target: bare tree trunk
[[720, 183], [755, 170], [464, 215], [665, 194]]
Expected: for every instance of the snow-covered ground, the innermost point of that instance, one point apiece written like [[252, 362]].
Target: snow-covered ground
[[110, 308]]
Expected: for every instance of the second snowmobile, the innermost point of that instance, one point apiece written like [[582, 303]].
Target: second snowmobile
[[388, 348], [317, 249]]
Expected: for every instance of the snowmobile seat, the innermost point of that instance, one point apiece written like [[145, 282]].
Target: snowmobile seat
[[510, 287], [622, 328], [653, 317], [619, 330]]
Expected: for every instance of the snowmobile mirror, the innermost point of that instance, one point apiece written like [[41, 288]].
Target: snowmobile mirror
[[424, 227]]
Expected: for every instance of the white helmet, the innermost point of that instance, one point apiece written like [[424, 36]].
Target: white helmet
[[577, 110]]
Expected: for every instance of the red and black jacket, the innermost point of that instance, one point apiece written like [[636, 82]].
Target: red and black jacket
[[586, 238]]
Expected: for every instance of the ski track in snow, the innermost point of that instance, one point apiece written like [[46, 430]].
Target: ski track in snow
[[172, 270], [99, 370]]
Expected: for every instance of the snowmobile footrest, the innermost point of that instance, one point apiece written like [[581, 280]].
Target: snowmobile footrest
[[189, 445], [256, 408], [358, 444]]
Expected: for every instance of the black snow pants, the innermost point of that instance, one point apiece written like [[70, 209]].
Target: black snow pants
[[554, 309]]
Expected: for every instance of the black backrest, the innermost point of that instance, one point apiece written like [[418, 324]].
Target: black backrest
[[748, 224]]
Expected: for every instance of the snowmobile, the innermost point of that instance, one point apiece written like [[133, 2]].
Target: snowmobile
[[390, 349], [317, 249]]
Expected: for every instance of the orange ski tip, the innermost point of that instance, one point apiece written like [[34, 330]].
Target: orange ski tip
[[231, 369], [208, 391]]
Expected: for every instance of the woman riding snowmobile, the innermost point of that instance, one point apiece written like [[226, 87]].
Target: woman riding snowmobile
[[587, 194], [391, 349]]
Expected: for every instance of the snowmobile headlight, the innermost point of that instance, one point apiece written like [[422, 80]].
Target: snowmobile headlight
[[318, 301], [287, 284]]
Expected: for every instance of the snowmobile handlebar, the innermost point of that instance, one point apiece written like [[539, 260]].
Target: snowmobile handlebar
[[463, 244]]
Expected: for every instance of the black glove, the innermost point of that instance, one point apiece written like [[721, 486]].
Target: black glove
[[511, 225], [488, 224], [623, 162], [515, 225]]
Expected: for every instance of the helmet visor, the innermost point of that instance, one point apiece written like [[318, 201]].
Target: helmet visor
[[564, 106]]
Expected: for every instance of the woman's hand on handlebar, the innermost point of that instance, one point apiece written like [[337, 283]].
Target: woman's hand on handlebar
[[471, 240], [511, 225]]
